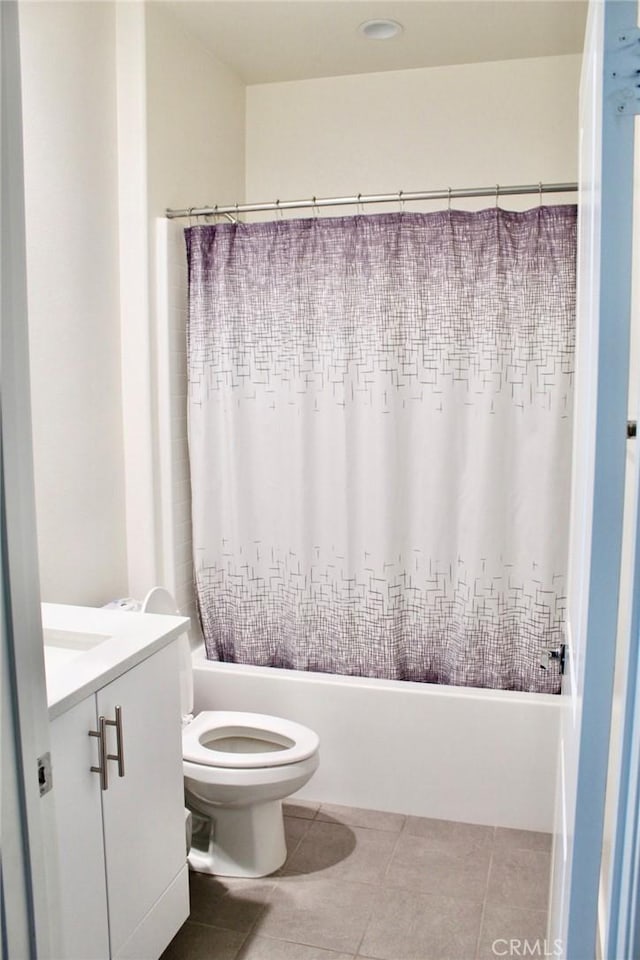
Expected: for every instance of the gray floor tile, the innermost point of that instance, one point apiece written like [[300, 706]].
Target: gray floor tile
[[450, 833], [409, 888], [322, 913], [294, 830], [412, 926], [195, 941], [204, 893], [502, 923], [260, 948], [305, 809], [520, 878], [358, 817], [506, 838], [450, 870], [228, 902], [341, 852]]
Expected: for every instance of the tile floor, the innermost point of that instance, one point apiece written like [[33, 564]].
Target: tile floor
[[359, 883]]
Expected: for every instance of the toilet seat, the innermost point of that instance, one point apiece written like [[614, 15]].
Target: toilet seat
[[246, 740]]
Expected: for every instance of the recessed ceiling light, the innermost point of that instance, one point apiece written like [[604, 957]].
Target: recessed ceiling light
[[380, 29]]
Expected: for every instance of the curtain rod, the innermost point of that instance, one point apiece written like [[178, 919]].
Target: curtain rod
[[232, 210]]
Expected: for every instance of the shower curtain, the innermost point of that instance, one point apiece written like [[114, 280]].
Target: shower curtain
[[380, 437]]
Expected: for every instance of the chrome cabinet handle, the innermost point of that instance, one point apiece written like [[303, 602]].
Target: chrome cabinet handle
[[119, 756], [100, 733]]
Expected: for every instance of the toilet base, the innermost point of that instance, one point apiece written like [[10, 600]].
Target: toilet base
[[239, 841]]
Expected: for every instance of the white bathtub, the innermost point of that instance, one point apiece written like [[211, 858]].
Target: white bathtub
[[455, 753]]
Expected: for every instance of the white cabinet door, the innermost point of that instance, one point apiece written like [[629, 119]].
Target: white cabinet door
[[82, 891], [143, 811]]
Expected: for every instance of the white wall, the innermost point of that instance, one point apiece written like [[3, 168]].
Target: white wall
[[195, 119], [68, 76], [476, 124], [195, 154], [117, 127]]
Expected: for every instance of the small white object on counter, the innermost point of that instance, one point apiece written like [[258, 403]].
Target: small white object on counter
[[88, 647]]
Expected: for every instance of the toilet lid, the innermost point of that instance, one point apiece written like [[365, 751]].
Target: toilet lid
[[230, 738]]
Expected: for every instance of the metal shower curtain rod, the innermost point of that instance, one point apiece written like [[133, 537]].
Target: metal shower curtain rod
[[231, 211]]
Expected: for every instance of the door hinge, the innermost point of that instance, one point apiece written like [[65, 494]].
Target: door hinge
[[622, 73], [45, 775], [559, 654]]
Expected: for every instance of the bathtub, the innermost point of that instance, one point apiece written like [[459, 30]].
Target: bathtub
[[454, 753]]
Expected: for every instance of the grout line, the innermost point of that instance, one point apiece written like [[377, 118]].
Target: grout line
[[375, 896], [486, 894], [334, 818], [251, 930], [393, 853], [356, 826], [366, 925], [280, 872], [242, 945], [212, 926], [480, 928]]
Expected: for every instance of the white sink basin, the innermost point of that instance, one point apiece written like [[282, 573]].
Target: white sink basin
[[85, 648], [62, 646]]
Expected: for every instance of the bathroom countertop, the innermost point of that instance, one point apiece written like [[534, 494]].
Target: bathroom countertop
[[88, 647]]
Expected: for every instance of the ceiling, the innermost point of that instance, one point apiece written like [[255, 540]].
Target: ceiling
[[265, 41]]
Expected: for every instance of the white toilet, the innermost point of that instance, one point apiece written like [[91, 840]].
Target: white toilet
[[238, 767]]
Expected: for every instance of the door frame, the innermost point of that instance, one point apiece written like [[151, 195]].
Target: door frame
[[604, 307], [622, 933], [29, 854]]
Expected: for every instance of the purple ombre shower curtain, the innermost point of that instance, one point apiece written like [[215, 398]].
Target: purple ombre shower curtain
[[380, 438]]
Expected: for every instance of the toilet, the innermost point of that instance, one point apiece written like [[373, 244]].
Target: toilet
[[238, 767]]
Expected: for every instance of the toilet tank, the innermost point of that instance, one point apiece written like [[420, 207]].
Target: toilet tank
[[160, 600]]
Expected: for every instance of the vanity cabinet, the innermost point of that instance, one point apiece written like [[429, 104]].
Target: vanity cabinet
[[124, 881]]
